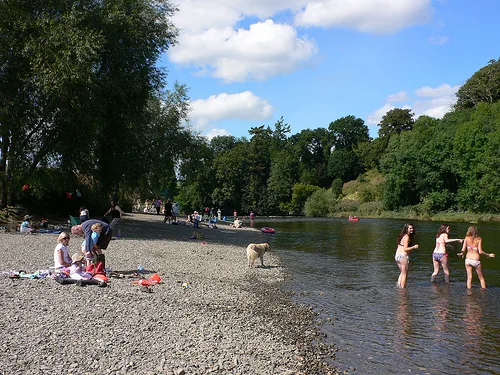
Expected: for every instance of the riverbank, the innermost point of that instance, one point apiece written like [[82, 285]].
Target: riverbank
[[465, 217], [210, 313]]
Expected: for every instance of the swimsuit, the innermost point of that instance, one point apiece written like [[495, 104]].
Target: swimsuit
[[472, 263], [400, 257], [438, 256]]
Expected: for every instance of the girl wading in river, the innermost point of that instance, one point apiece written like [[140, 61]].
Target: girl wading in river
[[403, 250], [473, 246], [439, 255]]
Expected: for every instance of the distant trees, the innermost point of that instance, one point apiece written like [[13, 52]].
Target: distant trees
[[395, 121], [83, 105], [347, 133], [483, 86]]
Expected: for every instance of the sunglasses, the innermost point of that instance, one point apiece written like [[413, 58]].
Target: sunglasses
[[65, 238]]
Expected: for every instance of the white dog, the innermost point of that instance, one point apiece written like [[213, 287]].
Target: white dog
[[255, 251]]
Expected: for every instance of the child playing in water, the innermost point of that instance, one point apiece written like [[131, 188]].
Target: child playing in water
[[473, 246]]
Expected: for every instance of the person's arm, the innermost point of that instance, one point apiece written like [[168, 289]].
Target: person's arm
[[464, 249], [62, 261], [406, 242], [107, 212], [449, 240], [480, 250]]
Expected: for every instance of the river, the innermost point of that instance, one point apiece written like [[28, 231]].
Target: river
[[346, 271]]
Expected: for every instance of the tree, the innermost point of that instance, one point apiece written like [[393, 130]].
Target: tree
[[369, 153], [348, 132], [231, 169], [419, 164], [343, 164], [259, 167], [222, 143], [395, 121], [483, 86], [301, 193], [88, 66], [312, 148], [284, 174], [477, 146]]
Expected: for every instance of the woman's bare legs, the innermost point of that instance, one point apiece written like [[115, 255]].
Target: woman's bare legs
[[436, 270], [403, 267], [469, 276], [479, 272], [446, 270]]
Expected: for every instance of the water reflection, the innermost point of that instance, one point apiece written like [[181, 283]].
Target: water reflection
[[403, 320], [441, 307], [472, 321]]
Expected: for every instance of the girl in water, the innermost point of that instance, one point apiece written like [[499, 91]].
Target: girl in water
[[402, 258], [439, 255], [473, 246]]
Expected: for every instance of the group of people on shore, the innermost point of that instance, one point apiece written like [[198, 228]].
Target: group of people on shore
[[90, 261], [472, 249]]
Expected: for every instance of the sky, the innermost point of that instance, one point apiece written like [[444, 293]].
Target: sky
[[248, 63]]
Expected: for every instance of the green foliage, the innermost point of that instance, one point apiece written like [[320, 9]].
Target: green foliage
[[478, 144], [231, 174], [337, 187], [370, 188], [419, 162], [346, 206], [312, 148], [284, 174], [77, 78], [301, 192], [348, 131], [370, 209], [343, 164], [482, 87], [437, 201], [395, 121], [319, 203], [351, 187], [370, 153]]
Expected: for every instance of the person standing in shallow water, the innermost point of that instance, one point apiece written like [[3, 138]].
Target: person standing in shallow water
[[402, 258], [473, 246], [439, 255]]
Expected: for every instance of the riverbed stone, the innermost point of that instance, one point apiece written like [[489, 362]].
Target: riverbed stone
[[210, 313]]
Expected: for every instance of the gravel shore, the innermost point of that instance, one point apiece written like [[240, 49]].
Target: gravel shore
[[228, 320]]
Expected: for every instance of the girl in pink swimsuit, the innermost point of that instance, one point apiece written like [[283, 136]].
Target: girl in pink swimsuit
[[473, 245], [439, 255]]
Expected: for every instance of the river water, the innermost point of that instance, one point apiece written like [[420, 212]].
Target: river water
[[346, 271]]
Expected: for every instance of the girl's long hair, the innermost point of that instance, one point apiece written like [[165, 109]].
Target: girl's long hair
[[442, 229], [472, 232], [404, 232]]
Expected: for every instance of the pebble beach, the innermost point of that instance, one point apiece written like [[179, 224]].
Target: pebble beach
[[210, 314]]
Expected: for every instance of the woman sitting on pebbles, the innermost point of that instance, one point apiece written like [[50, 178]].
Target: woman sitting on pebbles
[[61, 256]]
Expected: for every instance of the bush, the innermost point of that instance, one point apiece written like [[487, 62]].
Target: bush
[[437, 201], [319, 203], [350, 187], [337, 187], [370, 209], [346, 205]]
